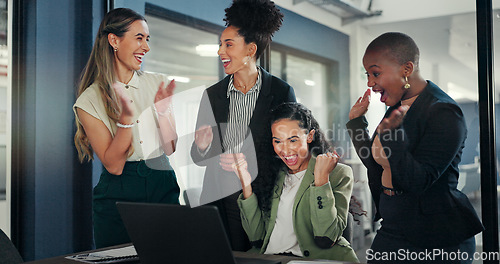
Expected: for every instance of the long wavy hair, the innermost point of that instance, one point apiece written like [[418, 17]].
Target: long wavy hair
[[271, 164], [100, 71], [256, 20]]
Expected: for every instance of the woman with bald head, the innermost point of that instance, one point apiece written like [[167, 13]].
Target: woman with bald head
[[412, 158]]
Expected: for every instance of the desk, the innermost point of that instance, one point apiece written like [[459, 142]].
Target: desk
[[62, 260]]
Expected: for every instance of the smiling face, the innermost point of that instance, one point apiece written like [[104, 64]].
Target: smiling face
[[290, 143], [233, 51], [385, 76], [131, 47]]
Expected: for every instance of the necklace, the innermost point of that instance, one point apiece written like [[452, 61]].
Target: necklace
[[244, 86]]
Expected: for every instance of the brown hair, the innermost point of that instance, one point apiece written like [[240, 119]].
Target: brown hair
[[100, 71]]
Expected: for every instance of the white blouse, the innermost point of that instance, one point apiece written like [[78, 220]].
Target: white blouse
[[141, 89], [283, 238]]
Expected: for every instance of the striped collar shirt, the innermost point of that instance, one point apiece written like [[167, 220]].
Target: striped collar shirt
[[241, 107]]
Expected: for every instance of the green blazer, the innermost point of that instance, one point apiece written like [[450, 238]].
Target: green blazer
[[319, 215]]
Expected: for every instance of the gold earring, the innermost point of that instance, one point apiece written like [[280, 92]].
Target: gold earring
[[407, 85]]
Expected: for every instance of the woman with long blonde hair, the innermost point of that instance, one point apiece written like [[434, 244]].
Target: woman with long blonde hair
[[125, 117]]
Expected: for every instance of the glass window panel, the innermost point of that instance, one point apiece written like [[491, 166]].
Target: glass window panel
[[496, 61], [276, 64], [189, 56], [4, 140], [462, 48], [182, 51], [308, 78], [3, 97]]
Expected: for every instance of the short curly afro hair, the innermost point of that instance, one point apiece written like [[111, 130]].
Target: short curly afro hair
[[256, 20]]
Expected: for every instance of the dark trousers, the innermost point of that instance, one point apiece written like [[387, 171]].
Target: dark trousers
[[138, 183], [390, 248]]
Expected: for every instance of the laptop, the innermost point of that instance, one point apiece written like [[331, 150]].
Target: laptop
[[166, 233]]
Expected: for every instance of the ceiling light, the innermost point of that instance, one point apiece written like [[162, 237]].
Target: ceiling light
[[207, 50], [310, 82]]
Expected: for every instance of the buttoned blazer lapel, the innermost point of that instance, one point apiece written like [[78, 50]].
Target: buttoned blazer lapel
[[220, 102], [220, 107], [278, 189], [305, 184], [412, 123], [415, 114]]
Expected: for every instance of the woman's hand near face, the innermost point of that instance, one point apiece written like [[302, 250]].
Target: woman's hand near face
[[393, 121], [325, 163], [361, 106], [203, 137], [163, 97]]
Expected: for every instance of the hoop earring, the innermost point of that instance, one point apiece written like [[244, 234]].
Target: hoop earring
[[407, 85], [246, 62]]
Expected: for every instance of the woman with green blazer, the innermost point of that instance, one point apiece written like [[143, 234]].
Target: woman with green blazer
[[298, 204]]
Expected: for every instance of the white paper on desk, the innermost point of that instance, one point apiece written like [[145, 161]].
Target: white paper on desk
[[107, 256]]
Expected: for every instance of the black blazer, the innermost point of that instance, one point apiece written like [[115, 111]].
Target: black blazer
[[424, 154], [214, 111]]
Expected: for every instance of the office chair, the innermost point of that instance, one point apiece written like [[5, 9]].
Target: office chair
[[8, 252], [348, 231]]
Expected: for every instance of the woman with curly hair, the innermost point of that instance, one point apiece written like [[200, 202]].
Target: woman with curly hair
[[233, 112], [299, 203]]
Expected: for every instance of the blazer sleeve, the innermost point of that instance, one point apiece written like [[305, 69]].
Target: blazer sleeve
[[281, 91], [358, 131], [252, 219], [290, 95], [442, 135], [329, 205]]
